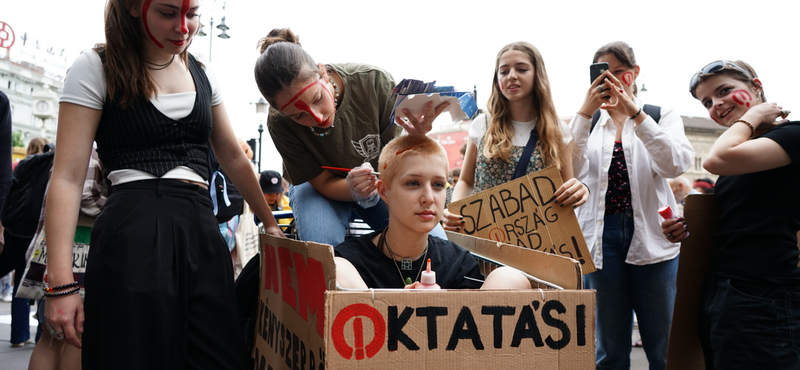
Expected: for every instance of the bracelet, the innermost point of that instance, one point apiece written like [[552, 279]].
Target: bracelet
[[65, 286], [64, 293], [584, 115], [752, 129], [587, 187], [637, 113]]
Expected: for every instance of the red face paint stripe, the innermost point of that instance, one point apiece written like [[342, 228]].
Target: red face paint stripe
[[627, 78], [742, 97], [301, 105], [184, 10], [298, 95], [145, 8]]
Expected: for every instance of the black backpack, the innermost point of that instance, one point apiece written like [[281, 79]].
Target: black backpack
[[651, 110], [20, 214], [221, 183]]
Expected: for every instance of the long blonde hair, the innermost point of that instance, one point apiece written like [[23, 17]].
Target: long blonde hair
[[500, 132]]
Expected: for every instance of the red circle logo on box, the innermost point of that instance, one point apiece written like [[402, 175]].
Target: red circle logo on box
[[357, 312]]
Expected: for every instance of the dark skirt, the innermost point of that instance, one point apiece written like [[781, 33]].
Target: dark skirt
[[159, 283]]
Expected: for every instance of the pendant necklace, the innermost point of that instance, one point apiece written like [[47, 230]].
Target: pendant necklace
[[335, 105], [158, 67], [407, 262]]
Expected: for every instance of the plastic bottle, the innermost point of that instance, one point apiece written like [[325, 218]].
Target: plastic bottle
[[428, 279], [666, 213]]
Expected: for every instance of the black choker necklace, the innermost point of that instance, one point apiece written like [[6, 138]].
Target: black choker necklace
[[158, 67]]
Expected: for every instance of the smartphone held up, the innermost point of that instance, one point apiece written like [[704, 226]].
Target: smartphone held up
[[596, 69]]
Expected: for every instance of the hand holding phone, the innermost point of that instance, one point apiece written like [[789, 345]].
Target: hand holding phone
[[596, 69]]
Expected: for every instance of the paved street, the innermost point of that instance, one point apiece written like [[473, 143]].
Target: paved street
[[13, 358], [17, 358]]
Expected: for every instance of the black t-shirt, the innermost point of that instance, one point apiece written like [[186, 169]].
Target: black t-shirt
[[757, 238], [450, 262]]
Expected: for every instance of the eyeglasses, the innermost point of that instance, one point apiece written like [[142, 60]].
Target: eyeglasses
[[715, 67]]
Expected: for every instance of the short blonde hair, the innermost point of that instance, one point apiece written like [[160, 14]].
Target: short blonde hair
[[393, 153]]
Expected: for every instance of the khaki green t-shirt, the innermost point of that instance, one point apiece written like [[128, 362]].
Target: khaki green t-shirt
[[361, 127]]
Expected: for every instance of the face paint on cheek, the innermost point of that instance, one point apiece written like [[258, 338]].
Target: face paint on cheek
[[627, 78], [301, 105], [742, 97], [184, 10], [715, 120], [145, 8]]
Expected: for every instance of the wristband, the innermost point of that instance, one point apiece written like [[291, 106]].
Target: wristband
[[637, 114], [64, 293], [584, 115], [65, 286], [752, 129]]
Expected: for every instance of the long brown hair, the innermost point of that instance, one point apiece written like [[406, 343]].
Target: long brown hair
[[126, 72], [500, 132]]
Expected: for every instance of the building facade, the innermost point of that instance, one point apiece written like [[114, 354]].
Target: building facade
[[32, 75]]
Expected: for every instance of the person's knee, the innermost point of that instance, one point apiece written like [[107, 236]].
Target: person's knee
[[506, 278]]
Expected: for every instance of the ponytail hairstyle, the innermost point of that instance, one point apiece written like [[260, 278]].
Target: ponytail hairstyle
[[127, 77], [282, 61], [500, 133], [623, 52]]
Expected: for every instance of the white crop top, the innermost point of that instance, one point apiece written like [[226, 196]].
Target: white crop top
[[85, 85]]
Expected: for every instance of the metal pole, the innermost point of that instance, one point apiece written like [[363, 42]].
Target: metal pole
[[210, 38], [260, 132]]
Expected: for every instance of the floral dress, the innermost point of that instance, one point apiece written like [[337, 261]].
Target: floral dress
[[495, 171]]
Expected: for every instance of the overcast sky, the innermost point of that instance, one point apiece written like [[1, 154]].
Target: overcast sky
[[456, 42]]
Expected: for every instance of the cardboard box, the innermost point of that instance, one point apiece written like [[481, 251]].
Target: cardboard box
[[522, 212], [303, 322]]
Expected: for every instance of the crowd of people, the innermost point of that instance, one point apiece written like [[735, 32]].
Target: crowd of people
[[149, 117]]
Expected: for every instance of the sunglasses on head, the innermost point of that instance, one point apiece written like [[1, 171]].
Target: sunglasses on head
[[715, 67]]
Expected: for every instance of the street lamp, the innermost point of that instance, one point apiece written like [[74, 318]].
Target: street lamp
[[261, 111], [222, 27]]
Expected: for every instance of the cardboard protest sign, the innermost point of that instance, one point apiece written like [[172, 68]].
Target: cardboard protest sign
[[522, 212], [561, 271], [290, 326], [303, 322], [684, 351], [471, 329]]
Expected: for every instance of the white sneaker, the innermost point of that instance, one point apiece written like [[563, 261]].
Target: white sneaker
[[7, 297]]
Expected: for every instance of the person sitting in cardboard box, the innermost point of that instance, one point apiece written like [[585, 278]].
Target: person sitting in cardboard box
[[412, 183]]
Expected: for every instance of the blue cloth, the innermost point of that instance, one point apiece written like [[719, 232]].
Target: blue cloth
[[750, 325], [319, 219], [622, 288], [20, 311]]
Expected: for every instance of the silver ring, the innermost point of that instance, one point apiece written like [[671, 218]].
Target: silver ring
[[59, 335], [669, 235], [49, 328], [600, 88]]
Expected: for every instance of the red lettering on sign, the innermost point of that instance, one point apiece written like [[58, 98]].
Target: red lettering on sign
[[311, 290], [270, 268], [288, 293], [357, 311]]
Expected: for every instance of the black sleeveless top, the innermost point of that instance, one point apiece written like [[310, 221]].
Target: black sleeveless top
[[140, 137]]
